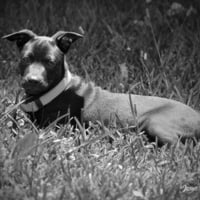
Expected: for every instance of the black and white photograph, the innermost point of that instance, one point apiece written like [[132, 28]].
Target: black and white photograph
[[99, 100]]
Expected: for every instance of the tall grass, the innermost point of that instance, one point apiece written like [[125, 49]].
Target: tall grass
[[160, 54]]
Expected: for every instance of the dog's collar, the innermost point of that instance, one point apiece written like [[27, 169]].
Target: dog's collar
[[37, 104]]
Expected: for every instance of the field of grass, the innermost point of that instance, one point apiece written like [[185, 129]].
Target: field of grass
[[142, 47]]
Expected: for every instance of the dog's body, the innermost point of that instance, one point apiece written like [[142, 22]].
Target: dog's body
[[54, 91]]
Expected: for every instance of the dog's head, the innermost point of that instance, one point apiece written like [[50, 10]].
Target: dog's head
[[42, 58]]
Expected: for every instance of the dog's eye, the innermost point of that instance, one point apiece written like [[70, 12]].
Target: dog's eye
[[49, 61], [25, 61]]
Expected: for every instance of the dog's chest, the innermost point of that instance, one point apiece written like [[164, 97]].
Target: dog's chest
[[67, 102]]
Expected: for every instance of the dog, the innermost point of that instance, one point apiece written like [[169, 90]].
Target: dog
[[53, 91]]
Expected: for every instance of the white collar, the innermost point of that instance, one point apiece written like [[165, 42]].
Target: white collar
[[37, 104]]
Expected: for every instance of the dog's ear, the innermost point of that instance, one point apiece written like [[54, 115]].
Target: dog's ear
[[20, 37], [65, 39]]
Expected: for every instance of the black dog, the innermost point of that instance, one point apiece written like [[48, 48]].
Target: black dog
[[45, 76], [52, 91]]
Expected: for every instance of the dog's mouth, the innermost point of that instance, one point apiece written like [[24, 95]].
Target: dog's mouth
[[35, 88]]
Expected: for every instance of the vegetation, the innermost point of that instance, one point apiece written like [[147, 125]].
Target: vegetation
[[142, 47]]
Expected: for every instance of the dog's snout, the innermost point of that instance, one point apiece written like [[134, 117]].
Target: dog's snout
[[31, 82], [33, 85], [34, 80]]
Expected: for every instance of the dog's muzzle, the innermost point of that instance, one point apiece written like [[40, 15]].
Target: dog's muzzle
[[34, 79], [33, 86]]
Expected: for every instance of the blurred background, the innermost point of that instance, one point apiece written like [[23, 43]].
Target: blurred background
[[146, 47]]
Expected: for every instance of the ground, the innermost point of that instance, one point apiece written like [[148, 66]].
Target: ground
[[144, 47]]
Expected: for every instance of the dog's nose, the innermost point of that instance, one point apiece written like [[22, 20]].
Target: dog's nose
[[31, 80], [33, 85]]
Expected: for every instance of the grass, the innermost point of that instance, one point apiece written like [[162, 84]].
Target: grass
[[130, 47]]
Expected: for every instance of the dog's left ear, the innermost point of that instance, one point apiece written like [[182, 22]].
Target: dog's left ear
[[65, 39], [20, 37]]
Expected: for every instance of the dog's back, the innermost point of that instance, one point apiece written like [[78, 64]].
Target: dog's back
[[160, 117]]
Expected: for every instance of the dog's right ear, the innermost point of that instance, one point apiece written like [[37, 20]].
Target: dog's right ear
[[64, 39], [20, 37]]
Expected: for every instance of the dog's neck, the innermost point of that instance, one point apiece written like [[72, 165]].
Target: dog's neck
[[38, 103]]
